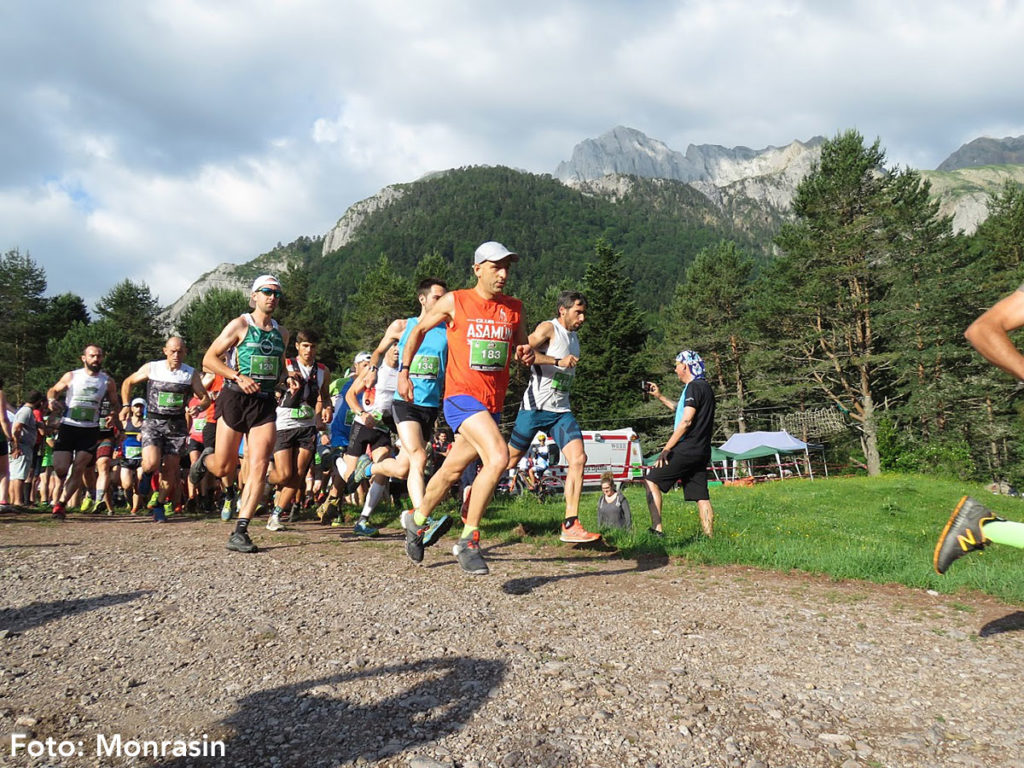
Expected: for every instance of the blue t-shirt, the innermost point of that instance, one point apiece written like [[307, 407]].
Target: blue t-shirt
[[341, 421], [427, 370]]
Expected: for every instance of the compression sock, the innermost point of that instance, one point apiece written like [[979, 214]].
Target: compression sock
[[146, 486], [467, 530], [1004, 532], [242, 525], [373, 497]]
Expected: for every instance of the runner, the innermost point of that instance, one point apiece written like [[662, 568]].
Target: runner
[[972, 525], [24, 434], [370, 438], [246, 406], [78, 433], [131, 454], [299, 412], [485, 331], [165, 427], [104, 462], [414, 420], [546, 407], [341, 428]]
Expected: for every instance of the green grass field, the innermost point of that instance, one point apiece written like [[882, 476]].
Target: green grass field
[[875, 529]]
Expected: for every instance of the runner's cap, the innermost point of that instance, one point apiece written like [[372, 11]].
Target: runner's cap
[[265, 281], [361, 357], [493, 251], [139, 401]]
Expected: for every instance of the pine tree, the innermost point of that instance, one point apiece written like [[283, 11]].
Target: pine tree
[[612, 360]]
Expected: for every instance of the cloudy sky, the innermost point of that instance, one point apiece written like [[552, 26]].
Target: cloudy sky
[[156, 139]]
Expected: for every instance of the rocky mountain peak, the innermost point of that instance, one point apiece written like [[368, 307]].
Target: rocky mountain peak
[[986, 151]]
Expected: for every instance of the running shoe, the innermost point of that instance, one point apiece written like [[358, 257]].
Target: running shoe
[[963, 533], [240, 542], [198, 470], [363, 528], [225, 510], [327, 511], [86, 504], [274, 523], [435, 529], [413, 537], [358, 474], [577, 534], [58, 511], [159, 514], [154, 500], [467, 551], [656, 532]]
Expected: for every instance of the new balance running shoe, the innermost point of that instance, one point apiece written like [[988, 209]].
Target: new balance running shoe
[[963, 533]]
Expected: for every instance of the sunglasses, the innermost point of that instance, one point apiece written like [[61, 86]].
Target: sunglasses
[[270, 292]]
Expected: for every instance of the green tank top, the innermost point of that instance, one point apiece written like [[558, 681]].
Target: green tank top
[[260, 356]]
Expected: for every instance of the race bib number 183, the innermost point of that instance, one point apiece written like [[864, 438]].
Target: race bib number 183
[[488, 355]]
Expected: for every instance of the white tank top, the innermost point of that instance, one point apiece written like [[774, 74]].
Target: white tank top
[[84, 395], [550, 384]]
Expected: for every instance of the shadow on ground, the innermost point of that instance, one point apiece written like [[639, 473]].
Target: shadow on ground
[[370, 714], [1012, 622], [526, 585], [36, 614]]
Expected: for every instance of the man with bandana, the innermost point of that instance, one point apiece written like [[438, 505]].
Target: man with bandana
[[687, 452]]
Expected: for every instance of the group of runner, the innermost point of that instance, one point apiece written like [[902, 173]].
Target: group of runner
[[454, 356]]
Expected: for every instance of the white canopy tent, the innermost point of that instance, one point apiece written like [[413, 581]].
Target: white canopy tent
[[744, 446]]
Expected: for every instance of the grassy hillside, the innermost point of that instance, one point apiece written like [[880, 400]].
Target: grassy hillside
[[660, 226]]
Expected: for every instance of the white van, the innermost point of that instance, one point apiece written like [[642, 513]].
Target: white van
[[608, 450]]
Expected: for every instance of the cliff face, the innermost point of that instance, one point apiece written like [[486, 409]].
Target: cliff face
[[343, 232]]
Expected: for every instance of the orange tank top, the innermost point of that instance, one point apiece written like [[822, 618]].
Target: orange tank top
[[209, 415], [481, 344]]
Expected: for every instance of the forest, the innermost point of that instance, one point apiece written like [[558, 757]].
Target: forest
[[855, 306]]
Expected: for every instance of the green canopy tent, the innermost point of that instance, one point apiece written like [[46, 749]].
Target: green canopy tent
[[744, 446]]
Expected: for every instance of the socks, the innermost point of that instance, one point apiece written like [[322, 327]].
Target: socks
[[1005, 532], [467, 531], [146, 485], [373, 497], [569, 522], [418, 517], [242, 525]]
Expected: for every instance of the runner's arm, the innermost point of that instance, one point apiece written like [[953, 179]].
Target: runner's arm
[[138, 377], [989, 334], [391, 335], [115, 405], [56, 389], [231, 336], [442, 311], [200, 391], [525, 353]]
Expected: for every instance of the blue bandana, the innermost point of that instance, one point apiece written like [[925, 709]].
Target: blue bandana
[[693, 361]]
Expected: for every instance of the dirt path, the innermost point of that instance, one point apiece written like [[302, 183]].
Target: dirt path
[[324, 650]]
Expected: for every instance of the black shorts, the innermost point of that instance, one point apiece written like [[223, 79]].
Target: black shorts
[[424, 415], [194, 445], [362, 437], [210, 434], [243, 412], [303, 438], [5, 449], [73, 439], [691, 471]]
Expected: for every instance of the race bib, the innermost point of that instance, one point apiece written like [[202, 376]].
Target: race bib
[[425, 367], [82, 413], [302, 413], [561, 381], [170, 400], [198, 424], [265, 367], [133, 451], [488, 355]]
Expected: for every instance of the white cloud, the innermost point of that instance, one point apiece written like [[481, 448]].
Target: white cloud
[[155, 140]]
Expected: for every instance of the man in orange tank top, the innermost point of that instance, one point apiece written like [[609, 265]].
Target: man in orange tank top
[[486, 330]]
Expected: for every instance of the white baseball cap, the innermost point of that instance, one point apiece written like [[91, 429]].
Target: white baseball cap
[[361, 357], [265, 281], [493, 251]]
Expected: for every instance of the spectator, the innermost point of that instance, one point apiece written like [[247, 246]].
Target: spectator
[[612, 507]]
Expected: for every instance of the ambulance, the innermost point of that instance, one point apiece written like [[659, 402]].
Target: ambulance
[[609, 450]]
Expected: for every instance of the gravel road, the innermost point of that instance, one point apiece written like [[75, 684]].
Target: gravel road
[[325, 650]]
